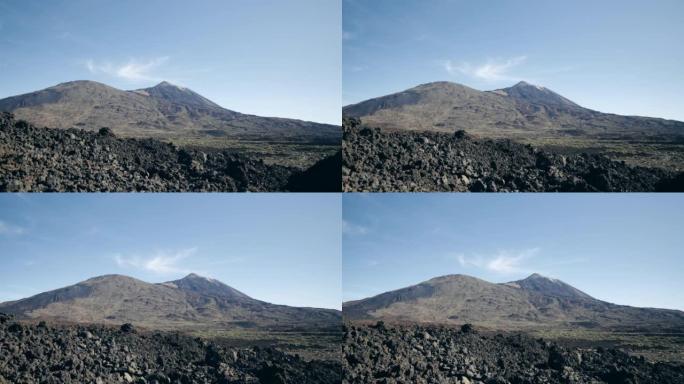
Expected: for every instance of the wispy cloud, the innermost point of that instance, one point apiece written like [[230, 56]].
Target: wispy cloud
[[346, 35], [503, 262], [160, 262], [10, 229], [132, 70], [353, 229], [492, 70]]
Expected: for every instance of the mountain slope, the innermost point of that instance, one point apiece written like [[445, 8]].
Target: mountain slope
[[533, 302], [520, 111], [162, 111], [192, 302]]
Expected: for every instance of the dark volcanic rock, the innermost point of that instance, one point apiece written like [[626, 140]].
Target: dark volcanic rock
[[376, 160], [95, 354], [324, 176], [40, 159], [421, 354]]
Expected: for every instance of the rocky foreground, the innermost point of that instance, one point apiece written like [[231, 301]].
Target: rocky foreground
[[94, 354], [419, 354], [55, 160], [377, 160]]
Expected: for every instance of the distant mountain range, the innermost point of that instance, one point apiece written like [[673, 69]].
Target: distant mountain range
[[521, 111], [162, 111], [193, 302], [535, 302]]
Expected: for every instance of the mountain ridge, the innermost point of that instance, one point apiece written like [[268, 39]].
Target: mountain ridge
[[533, 302], [162, 111], [447, 106], [189, 302]]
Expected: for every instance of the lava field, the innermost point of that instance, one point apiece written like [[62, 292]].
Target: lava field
[[46, 353], [432, 354], [36, 159], [407, 161]]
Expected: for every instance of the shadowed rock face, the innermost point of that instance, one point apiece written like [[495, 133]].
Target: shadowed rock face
[[532, 303], [192, 302], [162, 111], [523, 110], [41, 159], [47, 353], [324, 176], [376, 160], [412, 353]]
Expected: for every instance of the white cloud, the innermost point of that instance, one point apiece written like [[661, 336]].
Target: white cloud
[[161, 262], [492, 70], [503, 262], [353, 229], [346, 35], [133, 70], [9, 229]]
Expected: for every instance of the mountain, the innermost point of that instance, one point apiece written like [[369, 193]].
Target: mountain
[[534, 302], [521, 111], [162, 111], [192, 302]]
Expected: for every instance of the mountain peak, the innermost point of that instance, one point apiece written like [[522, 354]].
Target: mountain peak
[[178, 95], [549, 286], [194, 276], [536, 95], [207, 286], [537, 276], [524, 83], [167, 84]]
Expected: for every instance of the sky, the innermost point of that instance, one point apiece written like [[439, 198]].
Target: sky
[[280, 248], [265, 57], [622, 248], [618, 56]]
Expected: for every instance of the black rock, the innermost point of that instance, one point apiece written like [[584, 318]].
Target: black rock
[[101, 354], [440, 354], [42, 160], [374, 160]]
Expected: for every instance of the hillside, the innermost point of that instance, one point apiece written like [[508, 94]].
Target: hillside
[[530, 114], [165, 111], [191, 303], [532, 303], [521, 109]]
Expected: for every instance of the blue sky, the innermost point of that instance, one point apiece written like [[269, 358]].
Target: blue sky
[[265, 57], [619, 56], [622, 248], [281, 248]]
